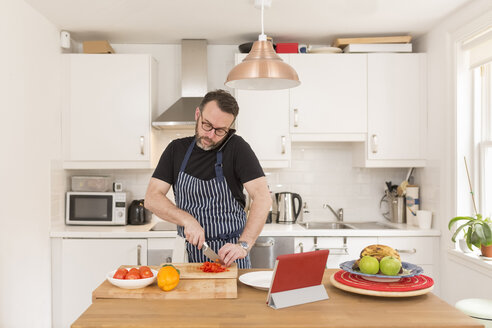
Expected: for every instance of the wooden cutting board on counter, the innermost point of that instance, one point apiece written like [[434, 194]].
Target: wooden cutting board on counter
[[193, 284]]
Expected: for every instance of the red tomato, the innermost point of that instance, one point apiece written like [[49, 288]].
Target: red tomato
[[120, 273], [212, 267], [144, 268], [133, 274], [146, 274]]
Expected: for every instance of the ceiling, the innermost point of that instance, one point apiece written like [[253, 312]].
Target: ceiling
[[238, 21]]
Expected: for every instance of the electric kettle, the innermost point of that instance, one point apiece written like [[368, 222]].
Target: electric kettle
[[138, 214], [286, 209]]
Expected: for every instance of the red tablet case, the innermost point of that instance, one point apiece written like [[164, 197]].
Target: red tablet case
[[297, 279]]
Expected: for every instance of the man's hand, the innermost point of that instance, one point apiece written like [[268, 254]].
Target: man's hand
[[231, 252], [194, 232]]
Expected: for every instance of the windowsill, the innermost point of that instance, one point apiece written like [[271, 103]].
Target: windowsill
[[472, 261]]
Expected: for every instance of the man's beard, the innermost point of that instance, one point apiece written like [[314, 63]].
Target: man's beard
[[211, 144]]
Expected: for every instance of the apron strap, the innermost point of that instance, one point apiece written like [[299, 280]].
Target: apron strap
[[219, 172], [187, 155]]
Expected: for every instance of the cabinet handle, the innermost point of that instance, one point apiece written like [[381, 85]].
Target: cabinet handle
[[407, 251], [282, 138], [268, 243], [301, 247], [296, 117], [374, 143], [139, 251], [142, 145]]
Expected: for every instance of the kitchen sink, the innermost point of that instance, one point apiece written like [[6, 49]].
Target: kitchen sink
[[325, 225], [370, 225]]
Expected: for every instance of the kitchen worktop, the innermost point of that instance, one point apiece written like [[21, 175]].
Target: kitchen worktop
[[143, 231], [250, 310]]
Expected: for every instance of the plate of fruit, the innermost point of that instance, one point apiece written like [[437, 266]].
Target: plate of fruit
[[132, 278], [381, 263]]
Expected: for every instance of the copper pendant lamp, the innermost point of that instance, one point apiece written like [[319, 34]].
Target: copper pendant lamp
[[262, 69]]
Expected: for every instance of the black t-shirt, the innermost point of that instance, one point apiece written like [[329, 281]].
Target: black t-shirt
[[240, 163]]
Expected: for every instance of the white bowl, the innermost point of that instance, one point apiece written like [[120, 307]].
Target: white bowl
[[131, 283]]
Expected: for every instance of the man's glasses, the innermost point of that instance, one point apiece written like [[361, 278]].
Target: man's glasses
[[219, 132]]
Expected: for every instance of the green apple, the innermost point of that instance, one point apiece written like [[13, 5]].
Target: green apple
[[369, 265], [390, 266]]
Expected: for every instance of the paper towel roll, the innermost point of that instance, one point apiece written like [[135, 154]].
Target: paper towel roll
[[413, 204]]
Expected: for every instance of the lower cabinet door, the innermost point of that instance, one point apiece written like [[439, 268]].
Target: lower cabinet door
[[84, 264], [341, 248]]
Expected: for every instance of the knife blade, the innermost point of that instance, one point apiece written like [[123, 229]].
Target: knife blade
[[209, 252]]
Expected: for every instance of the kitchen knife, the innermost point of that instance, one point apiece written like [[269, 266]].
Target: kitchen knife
[[210, 252]]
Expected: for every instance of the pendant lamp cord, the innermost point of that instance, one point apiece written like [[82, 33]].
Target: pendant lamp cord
[[262, 36]]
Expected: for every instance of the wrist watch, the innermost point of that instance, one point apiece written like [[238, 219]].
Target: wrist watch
[[244, 245]]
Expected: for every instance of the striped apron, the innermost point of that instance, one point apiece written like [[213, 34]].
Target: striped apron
[[212, 203]]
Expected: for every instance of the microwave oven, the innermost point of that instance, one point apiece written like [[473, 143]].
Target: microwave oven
[[95, 208]]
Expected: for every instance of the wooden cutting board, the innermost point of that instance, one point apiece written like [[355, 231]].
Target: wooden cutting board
[[193, 284], [192, 271]]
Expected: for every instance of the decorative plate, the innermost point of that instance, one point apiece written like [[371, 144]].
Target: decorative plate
[[409, 270], [257, 279], [412, 286]]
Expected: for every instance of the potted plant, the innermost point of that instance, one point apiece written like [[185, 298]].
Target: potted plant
[[478, 231]]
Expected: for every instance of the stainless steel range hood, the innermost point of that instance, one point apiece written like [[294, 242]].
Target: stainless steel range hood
[[193, 87]]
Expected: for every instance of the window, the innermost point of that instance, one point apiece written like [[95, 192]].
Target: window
[[478, 51], [484, 111]]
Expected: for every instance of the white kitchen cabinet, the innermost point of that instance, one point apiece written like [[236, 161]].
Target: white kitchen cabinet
[[80, 265], [263, 121], [421, 251], [107, 110], [397, 115], [331, 102], [341, 248]]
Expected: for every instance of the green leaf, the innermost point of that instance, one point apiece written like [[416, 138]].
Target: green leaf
[[459, 218], [488, 234], [468, 239], [480, 235], [461, 227], [475, 235]]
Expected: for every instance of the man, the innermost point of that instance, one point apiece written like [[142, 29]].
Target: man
[[208, 172]]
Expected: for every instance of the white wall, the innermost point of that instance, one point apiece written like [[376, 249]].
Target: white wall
[[29, 139], [438, 179]]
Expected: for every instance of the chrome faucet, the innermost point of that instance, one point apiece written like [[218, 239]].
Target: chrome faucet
[[339, 216]]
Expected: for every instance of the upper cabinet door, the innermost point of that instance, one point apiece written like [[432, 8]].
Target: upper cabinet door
[[108, 109], [263, 121], [332, 97], [396, 106]]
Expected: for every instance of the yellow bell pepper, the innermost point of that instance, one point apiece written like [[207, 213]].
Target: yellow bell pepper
[[167, 277]]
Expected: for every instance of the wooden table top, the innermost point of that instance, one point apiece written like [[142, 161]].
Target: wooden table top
[[342, 309]]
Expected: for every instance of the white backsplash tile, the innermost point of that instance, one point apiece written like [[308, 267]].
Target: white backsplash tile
[[323, 173]]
